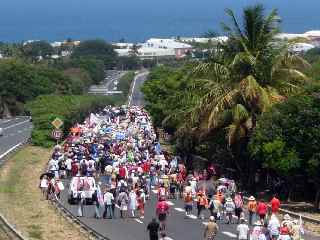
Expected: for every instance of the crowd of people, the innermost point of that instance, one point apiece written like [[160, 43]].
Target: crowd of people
[[115, 161]]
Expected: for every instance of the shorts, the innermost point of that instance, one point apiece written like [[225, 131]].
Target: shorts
[[238, 211], [188, 207], [162, 217]]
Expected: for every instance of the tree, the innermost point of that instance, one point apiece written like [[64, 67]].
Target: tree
[[287, 140], [98, 49], [37, 49]]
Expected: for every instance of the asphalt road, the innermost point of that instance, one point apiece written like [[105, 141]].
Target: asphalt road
[[16, 130], [178, 227], [136, 98]]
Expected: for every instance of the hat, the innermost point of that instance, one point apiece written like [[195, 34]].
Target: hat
[[211, 218], [258, 223], [286, 217], [252, 198]]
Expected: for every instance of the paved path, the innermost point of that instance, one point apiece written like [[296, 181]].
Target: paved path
[[16, 130]]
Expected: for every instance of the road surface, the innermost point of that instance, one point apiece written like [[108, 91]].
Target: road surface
[[178, 227], [16, 130]]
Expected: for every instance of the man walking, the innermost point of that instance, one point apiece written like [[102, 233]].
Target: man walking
[[275, 204], [243, 230], [153, 228], [108, 199]]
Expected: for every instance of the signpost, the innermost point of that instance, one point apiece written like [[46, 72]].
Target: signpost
[[57, 132]]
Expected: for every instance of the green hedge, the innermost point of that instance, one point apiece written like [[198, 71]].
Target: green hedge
[[125, 83], [70, 109]]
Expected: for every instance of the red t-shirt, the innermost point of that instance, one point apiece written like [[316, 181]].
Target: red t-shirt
[[122, 172], [275, 205], [162, 207], [262, 208]]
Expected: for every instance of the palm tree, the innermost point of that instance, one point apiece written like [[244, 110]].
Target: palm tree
[[251, 71]]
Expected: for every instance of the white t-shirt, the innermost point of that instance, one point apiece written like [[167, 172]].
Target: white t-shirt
[[69, 163], [243, 230]]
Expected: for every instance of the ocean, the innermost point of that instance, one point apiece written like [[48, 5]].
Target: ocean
[[136, 20]]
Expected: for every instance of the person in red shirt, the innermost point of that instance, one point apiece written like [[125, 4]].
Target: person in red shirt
[[275, 204], [122, 172], [162, 209], [262, 209]]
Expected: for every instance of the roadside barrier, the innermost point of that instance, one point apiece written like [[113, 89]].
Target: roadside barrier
[[68, 214]]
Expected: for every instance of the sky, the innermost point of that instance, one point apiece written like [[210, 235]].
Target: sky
[[136, 20]]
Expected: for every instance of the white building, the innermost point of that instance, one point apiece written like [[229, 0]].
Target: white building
[[220, 39], [56, 44], [300, 47]]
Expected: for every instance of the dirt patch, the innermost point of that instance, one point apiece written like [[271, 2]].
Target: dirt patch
[[22, 203]]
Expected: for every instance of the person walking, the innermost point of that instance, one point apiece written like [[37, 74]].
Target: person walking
[[243, 230], [239, 206], [252, 208], [153, 228], [274, 227], [108, 198], [214, 207], [132, 203], [81, 201], [162, 209], [211, 229], [275, 204], [96, 204], [141, 202], [188, 202], [123, 201], [202, 202], [262, 210], [230, 207]]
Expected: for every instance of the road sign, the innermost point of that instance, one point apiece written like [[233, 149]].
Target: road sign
[[57, 123], [56, 134]]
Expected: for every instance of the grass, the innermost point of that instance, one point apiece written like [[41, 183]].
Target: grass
[[22, 203]]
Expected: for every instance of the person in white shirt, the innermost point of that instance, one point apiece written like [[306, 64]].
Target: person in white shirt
[[108, 200], [274, 227], [243, 230], [68, 166]]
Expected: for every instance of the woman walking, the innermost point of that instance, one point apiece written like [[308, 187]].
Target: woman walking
[[132, 203]]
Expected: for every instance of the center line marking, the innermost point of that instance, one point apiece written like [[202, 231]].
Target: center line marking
[[139, 221], [179, 209], [229, 234], [192, 216], [170, 203]]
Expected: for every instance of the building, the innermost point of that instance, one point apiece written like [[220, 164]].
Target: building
[[180, 49]]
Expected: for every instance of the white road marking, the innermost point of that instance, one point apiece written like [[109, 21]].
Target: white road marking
[[10, 150], [139, 221], [154, 191], [205, 223], [192, 216], [20, 131], [229, 234], [179, 209], [17, 124], [170, 203]]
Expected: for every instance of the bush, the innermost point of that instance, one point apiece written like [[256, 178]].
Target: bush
[[70, 109]]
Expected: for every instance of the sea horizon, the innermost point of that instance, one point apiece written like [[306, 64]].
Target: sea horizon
[[136, 21]]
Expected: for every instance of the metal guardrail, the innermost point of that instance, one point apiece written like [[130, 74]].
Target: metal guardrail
[[5, 225], [68, 214]]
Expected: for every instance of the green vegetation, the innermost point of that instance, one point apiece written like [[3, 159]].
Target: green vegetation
[[125, 83], [213, 108], [35, 49], [21, 82], [70, 109], [97, 49], [287, 140]]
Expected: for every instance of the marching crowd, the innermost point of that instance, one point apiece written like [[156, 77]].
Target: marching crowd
[[115, 161]]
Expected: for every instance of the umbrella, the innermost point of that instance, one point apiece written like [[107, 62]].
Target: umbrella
[[48, 174]]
